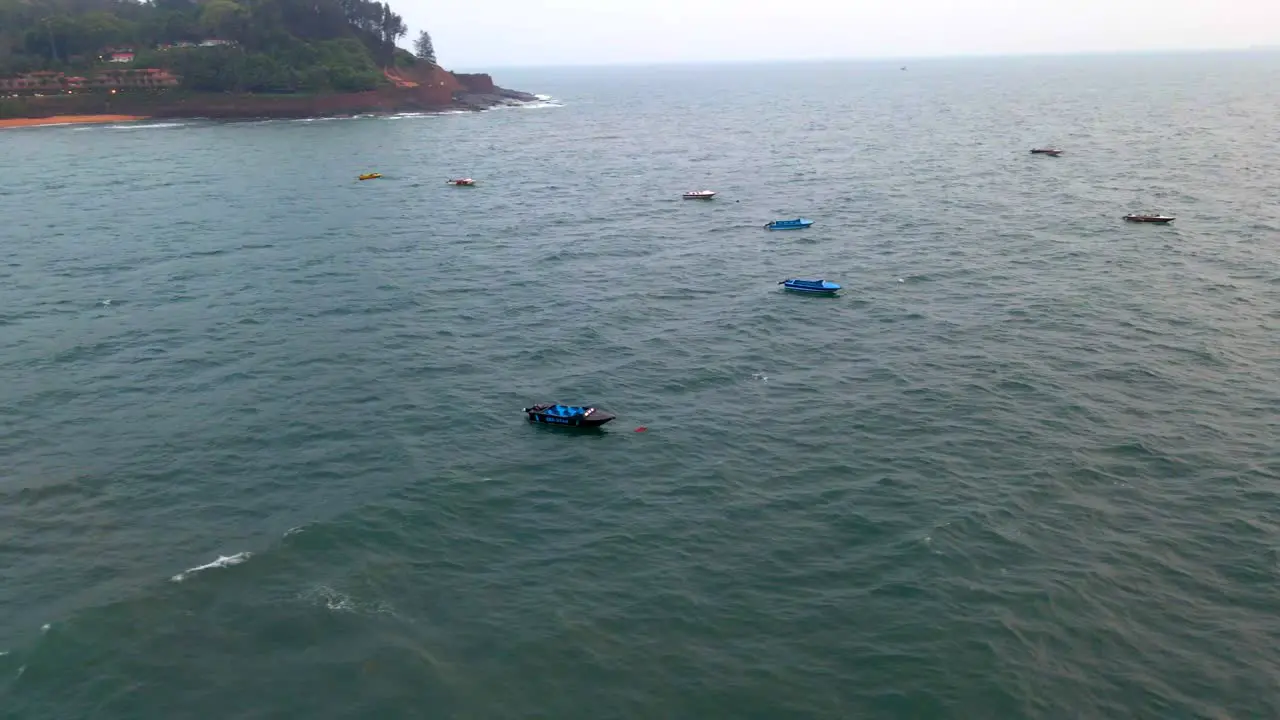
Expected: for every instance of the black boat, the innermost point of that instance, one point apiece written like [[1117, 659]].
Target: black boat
[[568, 415], [1046, 151]]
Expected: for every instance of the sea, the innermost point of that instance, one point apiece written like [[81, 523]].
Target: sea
[[263, 451]]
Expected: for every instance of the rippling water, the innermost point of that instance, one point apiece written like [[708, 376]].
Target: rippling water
[[263, 455]]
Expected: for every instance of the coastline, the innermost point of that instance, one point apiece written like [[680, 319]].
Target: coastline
[[98, 108], [68, 120], [429, 88]]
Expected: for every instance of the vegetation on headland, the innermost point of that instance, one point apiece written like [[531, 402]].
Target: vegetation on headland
[[269, 46]]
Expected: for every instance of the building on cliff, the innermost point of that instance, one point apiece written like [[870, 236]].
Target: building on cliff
[[143, 78], [50, 82]]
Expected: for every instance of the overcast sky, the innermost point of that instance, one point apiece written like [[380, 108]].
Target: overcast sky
[[472, 34]]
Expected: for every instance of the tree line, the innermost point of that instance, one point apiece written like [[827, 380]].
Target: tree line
[[279, 45]]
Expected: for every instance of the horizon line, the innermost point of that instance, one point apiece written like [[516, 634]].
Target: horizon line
[[877, 58]]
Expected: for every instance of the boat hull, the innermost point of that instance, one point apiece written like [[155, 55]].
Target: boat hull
[[811, 291], [789, 225], [810, 287], [1153, 220], [545, 415]]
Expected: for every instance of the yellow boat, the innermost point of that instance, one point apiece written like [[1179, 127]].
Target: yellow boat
[[370, 176]]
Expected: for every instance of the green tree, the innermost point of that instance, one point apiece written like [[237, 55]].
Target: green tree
[[223, 19], [423, 48], [283, 45]]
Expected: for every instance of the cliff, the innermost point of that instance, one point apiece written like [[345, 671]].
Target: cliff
[[423, 88]]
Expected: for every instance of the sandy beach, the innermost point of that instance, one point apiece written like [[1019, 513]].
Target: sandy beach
[[67, 120]]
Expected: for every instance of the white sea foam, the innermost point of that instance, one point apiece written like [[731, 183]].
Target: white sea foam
[[332, 599], [223, 561], [146, 126], [45, 627], [338, 601], [541, 103]]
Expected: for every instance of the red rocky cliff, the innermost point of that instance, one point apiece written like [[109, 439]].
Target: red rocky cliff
[[414, 89]]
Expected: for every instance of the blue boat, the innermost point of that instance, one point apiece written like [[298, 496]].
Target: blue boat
[[797, 224], [568, 415], [812, 287]]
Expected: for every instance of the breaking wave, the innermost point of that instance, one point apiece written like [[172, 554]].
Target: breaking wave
[[223, 561]]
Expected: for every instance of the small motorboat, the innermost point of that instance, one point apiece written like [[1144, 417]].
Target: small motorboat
[[797, 224], [699, 195], [370, 176], [569, 415], [462, 182], [1148, 218], [812, 287], [1046, 151]]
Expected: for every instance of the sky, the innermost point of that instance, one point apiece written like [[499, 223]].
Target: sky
[[480, 34]]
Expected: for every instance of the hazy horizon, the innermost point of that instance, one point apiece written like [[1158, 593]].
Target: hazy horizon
[[890, 60], [511, 34]]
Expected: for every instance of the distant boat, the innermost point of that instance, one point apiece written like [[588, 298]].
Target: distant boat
[[370, 176], [462, 182], [1046, 151], [812, 287], [797, 224], [699, 195], [569, 415], [1149, 218]]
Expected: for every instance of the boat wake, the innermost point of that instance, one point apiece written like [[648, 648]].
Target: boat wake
[[223, 561]]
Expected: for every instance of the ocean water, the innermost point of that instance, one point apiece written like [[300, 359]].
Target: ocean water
[[263, 455]]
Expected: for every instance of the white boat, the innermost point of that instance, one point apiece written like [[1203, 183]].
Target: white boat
[[699, 194]]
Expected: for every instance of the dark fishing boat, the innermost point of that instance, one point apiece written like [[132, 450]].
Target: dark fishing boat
[[1046, 151], [1162, 219], [568, 415]]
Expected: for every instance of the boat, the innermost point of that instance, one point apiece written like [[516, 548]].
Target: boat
[[462, 182], [812, 287], [569, 415], [370, 176], [699, 195], [1046, 151], [1148, 218], [797, 224]]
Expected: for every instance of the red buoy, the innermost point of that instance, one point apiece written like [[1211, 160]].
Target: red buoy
[[641, 428]]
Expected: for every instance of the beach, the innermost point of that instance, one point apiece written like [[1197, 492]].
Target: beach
[[67, 120]]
